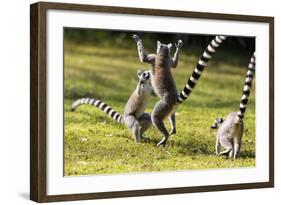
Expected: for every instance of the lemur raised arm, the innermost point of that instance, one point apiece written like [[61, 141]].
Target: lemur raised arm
[[134, 116], [163, 82], [230, 130], [163, 85], [144, 57], [150, 58]]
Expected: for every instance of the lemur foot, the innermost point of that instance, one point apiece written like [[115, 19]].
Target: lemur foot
[[162, 142], [145, 139], [172, 132], [223, 155]]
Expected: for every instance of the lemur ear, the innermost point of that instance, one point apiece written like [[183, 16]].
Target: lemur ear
[[220, 120], [158, 46], [139, 72]]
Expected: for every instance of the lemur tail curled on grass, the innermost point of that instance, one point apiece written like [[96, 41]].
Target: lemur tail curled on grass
[[163, 82], [230, 130], [134, 116]]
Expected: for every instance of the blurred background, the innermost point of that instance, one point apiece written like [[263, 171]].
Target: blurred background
[[110, 37]]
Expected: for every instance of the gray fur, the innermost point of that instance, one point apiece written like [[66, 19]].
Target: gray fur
[[229, 136], [163, 84], [134, 116], [230, 131]]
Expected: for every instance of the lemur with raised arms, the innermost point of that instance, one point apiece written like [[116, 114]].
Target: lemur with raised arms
[[163, 82], [134, 116], [230, 130]]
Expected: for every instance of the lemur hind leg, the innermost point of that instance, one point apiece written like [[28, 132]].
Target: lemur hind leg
[[131, 122], [230, 154], [227, 144], [172, 119], [160, 111], [237, 146], [145, 123], [218, 146], [226, 151]]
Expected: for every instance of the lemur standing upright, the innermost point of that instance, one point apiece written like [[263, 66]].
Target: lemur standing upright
[[134, 116], [163, 82], [230, 130]]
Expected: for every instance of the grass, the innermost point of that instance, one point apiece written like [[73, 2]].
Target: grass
[[95, 144]]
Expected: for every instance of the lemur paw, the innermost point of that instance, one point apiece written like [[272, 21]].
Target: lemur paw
[[136, 37], [162, 142], [145, 139], [179, 44], [172, 132]]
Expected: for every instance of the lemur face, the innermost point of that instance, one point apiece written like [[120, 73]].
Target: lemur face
[[144, 76], [217, 123], [163, 48]]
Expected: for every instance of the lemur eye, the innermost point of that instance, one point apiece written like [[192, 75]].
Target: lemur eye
[[145, 75]]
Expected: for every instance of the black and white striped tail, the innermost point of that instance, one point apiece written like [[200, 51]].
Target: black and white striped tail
[[99, 104], [202, 63], [247, 86]]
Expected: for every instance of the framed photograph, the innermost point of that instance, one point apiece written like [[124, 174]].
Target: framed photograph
[[135, 102]]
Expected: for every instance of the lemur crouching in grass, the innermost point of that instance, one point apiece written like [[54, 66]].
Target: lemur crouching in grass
[[134, 116], [230, 130], [163, 82]]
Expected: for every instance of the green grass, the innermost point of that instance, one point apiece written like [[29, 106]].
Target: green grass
[[95, 144]]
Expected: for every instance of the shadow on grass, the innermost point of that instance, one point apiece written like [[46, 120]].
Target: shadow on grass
[[193, 148], [187, 148], [247, 154]]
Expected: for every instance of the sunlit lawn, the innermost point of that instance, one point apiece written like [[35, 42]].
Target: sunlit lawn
[[95, 144]]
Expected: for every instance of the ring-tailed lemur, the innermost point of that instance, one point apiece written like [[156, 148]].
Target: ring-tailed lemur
[[230, 130], [201, 64], [134, 116], [163, 82]]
